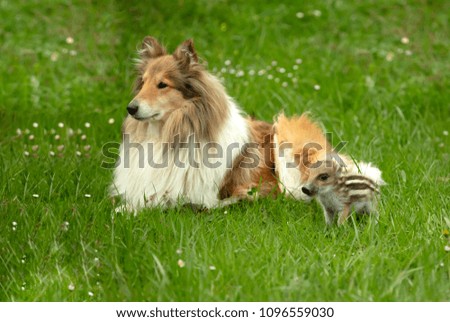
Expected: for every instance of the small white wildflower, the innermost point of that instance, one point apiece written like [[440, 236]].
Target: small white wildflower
[[31, 137], [65, 226], [282, 70], [298, 61], [300, 15], [87, 147], [181, 263], [405, 40], [35, 125], [22, 288], [390, 56], [96, 260], [73, 53], [289, 75], [179, 251], [277, 80], [27, 131], [26, 153], [57, 137], [223, 70], [441, 264], [445, 133], [14, 223], [52, 154], [274, 63], [61, 124], [22, 261], [227, 62], [295, 80], [52, 131], [269, 76], [54, 56], [317, 13], [90, 294], [284, 84], [87, 125], [212, 268], [79, 131], [225, 212], [35, 147], [65, 51], [317, 87], [111, 121], [71, 287], [408, 52], [14, 228], [35, 195], [78, 153], [87, 195], [60, 147], [261, 72], [441, 145], [232, 71], [70, 132], [19, 132], [251, 72], [447, 248], [69, 40], [240, 73], [83, 137]]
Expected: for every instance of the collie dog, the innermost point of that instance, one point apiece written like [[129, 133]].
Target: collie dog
[[308, 167], [185, 140]]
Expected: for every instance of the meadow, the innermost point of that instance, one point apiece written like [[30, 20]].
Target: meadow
[[374, 73]]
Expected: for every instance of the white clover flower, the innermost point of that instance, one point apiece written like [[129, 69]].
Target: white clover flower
[[83, 137], [317, 13], [70, 40], [225, 212], [274, 63], [212, 268], [35, 125], [181, 263], [35, 147], [447, 248], [298, 61], [70, 132], [317, 87], [26, 153], [227, 62], [295, 67], [277, 80], [289, 75], [232, 71], [405, 40], [408, 52], [87, 147], [87, 195], [52, 154], [14, 223], [27, 131], [35, 195], [78, 153], [19, 132], [57, 137], [390, 56], [73, 53], [71, 287], [284, 84], [251, 72], [179, 251], [282, 70], [445, 133], [60, 147], [90, 294], [261, 72], [111, 121], [54, 56], [61, 124], [270, 76], [31, 137], [87, 125], [300, 15]]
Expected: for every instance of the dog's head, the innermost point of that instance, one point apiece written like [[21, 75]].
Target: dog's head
[[164, 81]]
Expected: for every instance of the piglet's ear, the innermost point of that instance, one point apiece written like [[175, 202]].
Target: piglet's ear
[[185, 53], [151, 48]]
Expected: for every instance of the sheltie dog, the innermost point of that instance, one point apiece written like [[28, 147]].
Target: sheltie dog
[[185, 140], [308, 167]]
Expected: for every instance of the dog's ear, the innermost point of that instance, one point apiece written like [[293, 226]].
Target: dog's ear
[[151, 48], [185, 54]]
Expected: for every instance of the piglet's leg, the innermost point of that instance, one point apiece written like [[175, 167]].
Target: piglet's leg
[[344, 214]]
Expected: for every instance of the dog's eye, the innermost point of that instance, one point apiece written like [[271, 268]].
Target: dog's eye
[[323, 177], [162, 85]]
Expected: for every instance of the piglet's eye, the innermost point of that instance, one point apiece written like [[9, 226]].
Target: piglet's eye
[[323, 177], [162, 85]]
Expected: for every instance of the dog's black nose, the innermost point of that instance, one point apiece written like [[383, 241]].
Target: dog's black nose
[[306, 191], [132, 108]]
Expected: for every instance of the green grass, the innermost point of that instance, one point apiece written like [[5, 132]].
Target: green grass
[[393, 113]]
